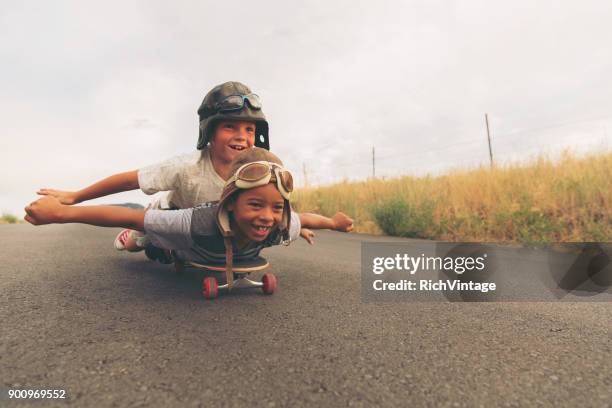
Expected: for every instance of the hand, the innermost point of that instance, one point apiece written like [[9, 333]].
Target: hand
[[308, 235], [64, 197], [342, 222], [46, 210]]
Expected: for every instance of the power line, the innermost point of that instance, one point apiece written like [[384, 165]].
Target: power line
[[421, 152], [404, 156], [558, 125]]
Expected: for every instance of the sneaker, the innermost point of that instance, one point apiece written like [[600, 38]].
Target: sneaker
[[121, 239], [160, 255]]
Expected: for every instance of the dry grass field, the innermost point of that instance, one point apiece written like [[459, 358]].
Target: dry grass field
[[541, 201]]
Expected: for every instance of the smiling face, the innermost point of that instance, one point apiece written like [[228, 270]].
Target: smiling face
[[230, 138], [256, 212]]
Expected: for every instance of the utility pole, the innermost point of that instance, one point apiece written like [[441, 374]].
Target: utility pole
[[489, 139], [373, 163]]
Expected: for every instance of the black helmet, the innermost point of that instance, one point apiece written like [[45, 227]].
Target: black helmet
[[232, 101]]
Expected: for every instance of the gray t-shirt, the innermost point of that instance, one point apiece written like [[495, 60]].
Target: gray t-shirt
[[193, 234], [190, 180]]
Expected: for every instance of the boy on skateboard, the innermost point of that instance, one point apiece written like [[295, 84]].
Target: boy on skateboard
[[231, 121], [252, 213]]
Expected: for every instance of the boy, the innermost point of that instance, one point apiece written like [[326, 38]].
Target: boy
[[231, 120], [253, 213]]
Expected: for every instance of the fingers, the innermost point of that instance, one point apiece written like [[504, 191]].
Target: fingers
[[310, 238], [46, 191], [33, 212], [349, 223], [30, 220], [345, 224], [30, 214], [28, 209], [307, 235]]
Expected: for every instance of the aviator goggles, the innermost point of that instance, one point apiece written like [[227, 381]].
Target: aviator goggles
[[236, 102], [260, 173]]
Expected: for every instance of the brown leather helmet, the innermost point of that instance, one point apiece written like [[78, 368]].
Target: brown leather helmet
[[232, 101], [250, 156]]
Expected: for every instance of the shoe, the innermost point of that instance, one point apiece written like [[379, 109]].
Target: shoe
[[121, 239], [160, 255]]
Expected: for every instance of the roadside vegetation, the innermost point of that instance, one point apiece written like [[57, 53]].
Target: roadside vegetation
[[569, 199], [9, 219]]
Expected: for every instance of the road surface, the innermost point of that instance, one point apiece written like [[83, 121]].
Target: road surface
[[113, 329]]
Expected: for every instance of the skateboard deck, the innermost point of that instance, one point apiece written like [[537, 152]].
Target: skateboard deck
[[253, 265]]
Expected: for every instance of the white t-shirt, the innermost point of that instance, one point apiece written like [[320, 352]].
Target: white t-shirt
[[190, 180]]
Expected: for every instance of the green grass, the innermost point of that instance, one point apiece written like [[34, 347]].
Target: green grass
[[9, 219]]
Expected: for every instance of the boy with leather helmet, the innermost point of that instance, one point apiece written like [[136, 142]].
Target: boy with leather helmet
[[231, 101], [252, 213], [231, 120]]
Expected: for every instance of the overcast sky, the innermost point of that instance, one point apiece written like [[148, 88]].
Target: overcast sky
[[89, 89]]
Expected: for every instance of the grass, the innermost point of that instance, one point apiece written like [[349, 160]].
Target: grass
[[540, 201], [9, 219]]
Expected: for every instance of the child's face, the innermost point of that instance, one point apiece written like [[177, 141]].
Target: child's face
[[231, 137], [256, 212]]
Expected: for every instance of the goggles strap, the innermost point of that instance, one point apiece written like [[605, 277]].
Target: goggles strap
[[229, 257], [279, 183]]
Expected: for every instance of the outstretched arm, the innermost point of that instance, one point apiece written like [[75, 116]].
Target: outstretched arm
[[114, 184], [49, 210], [339, 222]]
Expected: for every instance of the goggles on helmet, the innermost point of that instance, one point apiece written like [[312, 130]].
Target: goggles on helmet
[[236, 102], [259, 173]]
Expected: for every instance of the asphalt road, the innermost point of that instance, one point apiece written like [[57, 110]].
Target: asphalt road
[[113, 329]]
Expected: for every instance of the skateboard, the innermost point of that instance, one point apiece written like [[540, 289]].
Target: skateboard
[[210, 284]]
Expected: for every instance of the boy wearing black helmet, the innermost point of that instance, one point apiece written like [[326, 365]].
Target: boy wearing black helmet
[[231, 120], [252, 212]]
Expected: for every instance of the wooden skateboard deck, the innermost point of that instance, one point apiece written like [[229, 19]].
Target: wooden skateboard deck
[[252, 265]]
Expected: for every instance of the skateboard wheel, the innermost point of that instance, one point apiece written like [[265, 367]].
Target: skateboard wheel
[[210, 288], [269, 283]]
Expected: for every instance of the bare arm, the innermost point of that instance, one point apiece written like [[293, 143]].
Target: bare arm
[[114, 184], [339, 222], [49, 210]]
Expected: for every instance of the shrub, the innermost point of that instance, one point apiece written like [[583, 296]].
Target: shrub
[[397, 217], [9, 218]]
